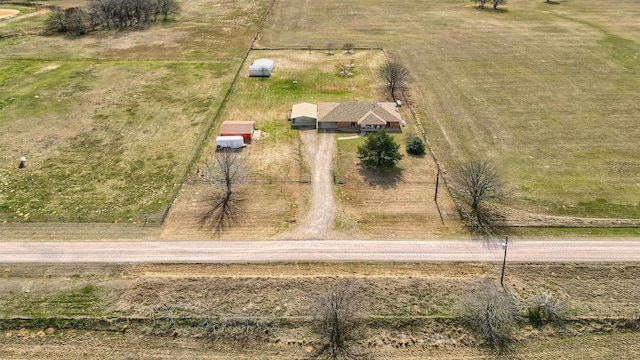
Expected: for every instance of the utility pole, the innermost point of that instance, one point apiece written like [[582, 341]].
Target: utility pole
[[504, 261], [435, 198]]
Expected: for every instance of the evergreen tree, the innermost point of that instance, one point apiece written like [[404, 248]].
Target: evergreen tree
[[379, 151], [416, 146]]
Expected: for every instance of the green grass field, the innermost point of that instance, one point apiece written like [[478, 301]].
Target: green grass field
[[110, 121], [548, 92]]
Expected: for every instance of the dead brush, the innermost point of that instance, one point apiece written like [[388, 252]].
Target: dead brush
[[545, 308], [238, 331]]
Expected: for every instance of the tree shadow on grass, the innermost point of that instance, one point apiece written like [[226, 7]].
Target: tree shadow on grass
[[491, 9], [485, 225], [222, 211], [382, 178]]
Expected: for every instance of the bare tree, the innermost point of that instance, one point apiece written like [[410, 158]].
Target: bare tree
[[498, 2], [56, 21], [491, 313], [348, 47], [166, 8], [494, 3], [125, 14], [480, 3], [227, 167], [395, 76], [329, 48], [225, 170], [78, 21], [336, 321], [479, 182]]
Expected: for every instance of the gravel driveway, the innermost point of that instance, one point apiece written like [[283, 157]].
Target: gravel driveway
[[318, 149]]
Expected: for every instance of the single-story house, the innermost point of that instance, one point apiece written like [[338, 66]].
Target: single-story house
[[261, 67], [359, 116], [304, 115], [238, 128]]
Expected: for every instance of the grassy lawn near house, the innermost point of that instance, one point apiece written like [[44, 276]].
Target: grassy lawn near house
[[547, 92], [393, 204]]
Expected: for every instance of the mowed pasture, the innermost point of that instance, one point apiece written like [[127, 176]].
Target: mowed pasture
[[109, 122], [547, 92]]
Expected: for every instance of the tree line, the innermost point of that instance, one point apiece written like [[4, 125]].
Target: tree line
[[110, 15]]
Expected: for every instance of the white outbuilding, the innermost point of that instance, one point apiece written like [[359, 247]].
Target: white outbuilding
[[261, 67]]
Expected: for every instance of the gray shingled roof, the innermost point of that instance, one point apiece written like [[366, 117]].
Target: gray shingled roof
[[367, 113]]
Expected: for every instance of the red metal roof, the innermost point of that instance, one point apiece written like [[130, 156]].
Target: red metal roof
[[237, 127]]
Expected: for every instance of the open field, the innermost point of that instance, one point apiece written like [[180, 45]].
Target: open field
[[548, 92], [410, 309], [109, 122]]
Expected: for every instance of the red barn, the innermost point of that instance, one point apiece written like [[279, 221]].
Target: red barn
[[238, 128]]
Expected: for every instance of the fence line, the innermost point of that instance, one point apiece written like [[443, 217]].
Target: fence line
[[305, 179], [311, 48], [216, 116]]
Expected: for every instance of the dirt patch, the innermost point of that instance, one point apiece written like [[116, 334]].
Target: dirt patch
[[48, 68], [165, 38], [8, 13]]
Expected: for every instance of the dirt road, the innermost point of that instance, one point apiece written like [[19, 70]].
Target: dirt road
[[322, 250]]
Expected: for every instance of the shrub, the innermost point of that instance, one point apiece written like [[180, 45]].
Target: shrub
[[492, 314], [544, 307], [416, 146]]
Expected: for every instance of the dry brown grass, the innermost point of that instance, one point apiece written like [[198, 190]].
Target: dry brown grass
[[394, 205], [411, 308]]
